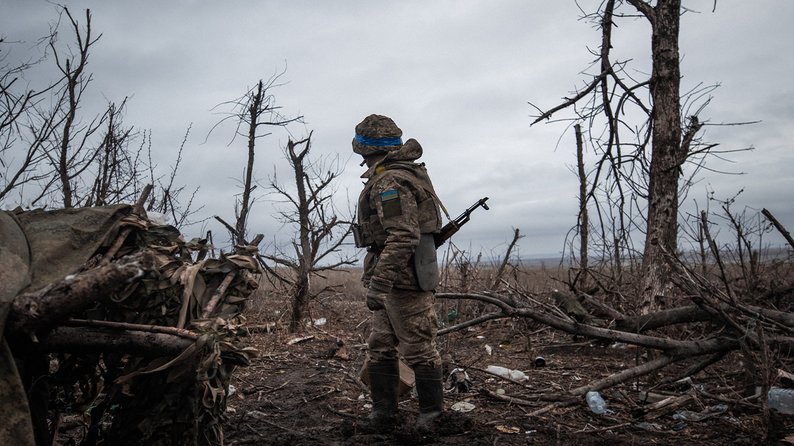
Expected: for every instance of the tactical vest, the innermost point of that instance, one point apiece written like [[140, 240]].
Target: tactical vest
[[369, 232]]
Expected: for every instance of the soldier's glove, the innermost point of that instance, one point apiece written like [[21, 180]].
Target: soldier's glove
[[377, 293]]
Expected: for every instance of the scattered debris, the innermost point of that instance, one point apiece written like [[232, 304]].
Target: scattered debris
[[463, 406], [458, 381], [504, 372], [298, 340], [508, 429], [688, 415]]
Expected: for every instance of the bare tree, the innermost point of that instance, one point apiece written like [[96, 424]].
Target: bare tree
[[115, 167], [44, 126], [25, 125], [50, 156], [69, 152], [637, 182], [252, 111], [319, 231]]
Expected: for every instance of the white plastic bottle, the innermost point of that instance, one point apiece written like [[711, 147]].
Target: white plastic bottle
[[781, 400], [504, 372], [595, 402]]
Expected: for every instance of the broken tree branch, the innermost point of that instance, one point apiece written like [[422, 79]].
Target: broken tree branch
[[780, 228], [625, 375], [181, 332], [500, 272], [216, 298]]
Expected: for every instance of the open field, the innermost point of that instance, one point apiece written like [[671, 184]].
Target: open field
[[304, 388]]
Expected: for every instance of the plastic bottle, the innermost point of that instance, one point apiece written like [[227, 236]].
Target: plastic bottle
[[781, 400], [595, 402], [504, 372]]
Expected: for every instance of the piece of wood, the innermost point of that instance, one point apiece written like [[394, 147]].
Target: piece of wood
[[694, 313], [181, 332], [267, 327], [43, 309], [651, 397], [666, 406], [680, 315], [107, 339], [218, 295], [407, 377], [294, 341]]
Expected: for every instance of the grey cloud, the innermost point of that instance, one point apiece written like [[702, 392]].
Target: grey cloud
[[456, 75]]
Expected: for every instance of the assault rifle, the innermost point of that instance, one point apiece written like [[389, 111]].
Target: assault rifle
[[452, 227]]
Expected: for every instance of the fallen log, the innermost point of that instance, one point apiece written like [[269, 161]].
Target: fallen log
[[694, 313], [664, 318], [43, 309], [76, 340]]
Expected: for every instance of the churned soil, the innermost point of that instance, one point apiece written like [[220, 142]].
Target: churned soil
[[304, 389]]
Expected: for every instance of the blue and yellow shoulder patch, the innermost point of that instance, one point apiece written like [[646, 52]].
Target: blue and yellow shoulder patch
[[390, 203], [390, 194]]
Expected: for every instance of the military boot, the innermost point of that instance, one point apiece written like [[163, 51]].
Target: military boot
[[430, 391], [384, 383]]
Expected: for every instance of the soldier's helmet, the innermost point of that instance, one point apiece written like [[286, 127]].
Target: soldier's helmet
[[376, 135]]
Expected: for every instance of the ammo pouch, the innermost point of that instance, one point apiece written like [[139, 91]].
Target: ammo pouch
[[426, 263], [369, 233], [358, 236]]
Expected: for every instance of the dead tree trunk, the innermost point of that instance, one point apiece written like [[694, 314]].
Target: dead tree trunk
[[70, 159], [639, 169], [666, 156], [302, 246], [254, 108], [320, 232], [583, 217]]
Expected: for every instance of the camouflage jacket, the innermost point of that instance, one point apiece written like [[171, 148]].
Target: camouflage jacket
[[397, 205]]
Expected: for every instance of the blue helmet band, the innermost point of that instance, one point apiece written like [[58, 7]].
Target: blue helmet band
[[378, 142]]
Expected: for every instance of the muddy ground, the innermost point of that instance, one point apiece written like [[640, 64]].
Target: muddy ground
[[304, 390]]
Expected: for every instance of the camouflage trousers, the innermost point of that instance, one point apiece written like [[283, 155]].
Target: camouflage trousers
[[407, 326]]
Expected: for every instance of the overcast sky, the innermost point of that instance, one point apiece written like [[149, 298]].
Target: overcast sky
[[457, 75]]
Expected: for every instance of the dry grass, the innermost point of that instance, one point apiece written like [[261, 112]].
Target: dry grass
[[340, 294]]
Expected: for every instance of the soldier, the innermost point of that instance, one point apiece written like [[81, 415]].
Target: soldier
[[398, 213]]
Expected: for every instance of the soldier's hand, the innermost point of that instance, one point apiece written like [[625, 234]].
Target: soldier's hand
[[377, 293]]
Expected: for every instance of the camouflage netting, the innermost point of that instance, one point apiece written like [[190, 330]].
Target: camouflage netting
[[116, 329]]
